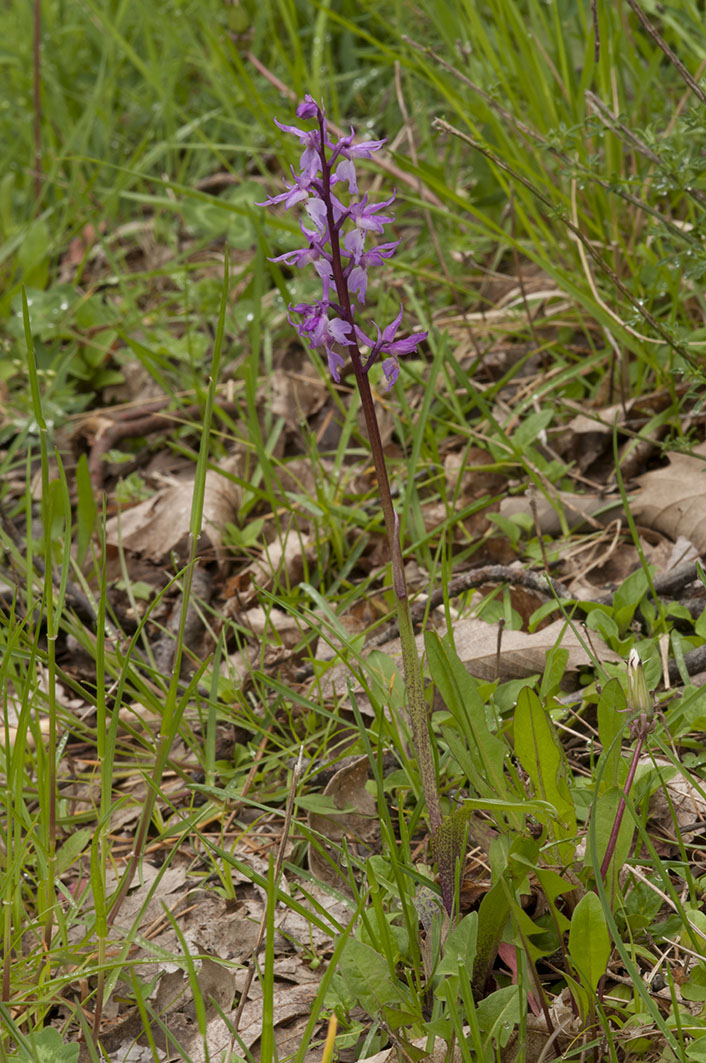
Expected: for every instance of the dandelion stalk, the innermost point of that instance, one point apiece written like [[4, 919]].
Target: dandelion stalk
[[640, 704]]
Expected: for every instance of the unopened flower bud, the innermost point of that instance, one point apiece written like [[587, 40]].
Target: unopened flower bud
[[639, 699]]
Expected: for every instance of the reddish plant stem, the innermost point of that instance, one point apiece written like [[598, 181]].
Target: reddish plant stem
[[620, 813]]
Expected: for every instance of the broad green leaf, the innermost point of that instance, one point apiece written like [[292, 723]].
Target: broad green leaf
[[485, 762], [527, 930], [509, 862], [542, 757], [85, 509], [498, 1015], [553, 886], [589, 941], [696, 1051], [604, 812], [600, 620], [368, 977], [627, 597], [492, 917], [72, 847], [48, 1047], [612, 717], [460, 947], [694, 938], [528, 429], [554, 671], [695, 986]]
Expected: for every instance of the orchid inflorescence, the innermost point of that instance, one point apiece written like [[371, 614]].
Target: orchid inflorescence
[[336, 247]]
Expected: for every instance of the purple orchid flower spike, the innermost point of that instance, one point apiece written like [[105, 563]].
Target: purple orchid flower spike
[[336, 246]]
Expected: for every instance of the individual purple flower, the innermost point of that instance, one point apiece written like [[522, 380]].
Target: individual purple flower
[[310, 161], [302, 256], [386, 344], [358, 283], [294, 193], [376, 255], [323, 331], [345, 171], [325, 272], [314, 323], [357, 278], [363, 214], [314, 254], [362, 150], [316, 209], [354, 246]]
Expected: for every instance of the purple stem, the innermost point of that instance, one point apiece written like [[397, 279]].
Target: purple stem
[[612, 841]]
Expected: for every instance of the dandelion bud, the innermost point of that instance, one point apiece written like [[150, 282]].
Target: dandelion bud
[[639, 699]]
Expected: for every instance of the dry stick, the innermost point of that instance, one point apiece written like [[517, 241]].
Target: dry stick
[[278, 867], [616, 126], [37, 101], [662, 44], [440, 123], [384, 164], [596, 31], [520, 278], [540, 537], [141, 425], [617, 351], [498, 646], [534, 137], [428, 218]]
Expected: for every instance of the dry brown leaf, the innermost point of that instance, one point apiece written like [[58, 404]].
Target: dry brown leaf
[[159, 526], [594, 510], [145, 900], [673, 499], [131, 1052], [290, 1002], [211, 927], [586, 439], [300, 929], [281, 561], [266, 623], [296, 396], [677, 800], [538, 1044], [521, 654], [438, 1054], [359, 825], [599, 566]]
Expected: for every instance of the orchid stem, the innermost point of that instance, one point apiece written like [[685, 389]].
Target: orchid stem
[[330, 324]]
